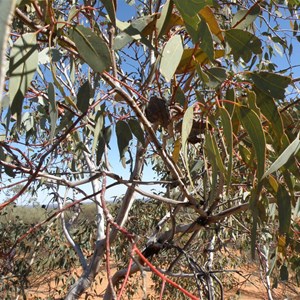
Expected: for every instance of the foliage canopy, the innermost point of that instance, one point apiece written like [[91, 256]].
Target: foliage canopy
[[205, 92]]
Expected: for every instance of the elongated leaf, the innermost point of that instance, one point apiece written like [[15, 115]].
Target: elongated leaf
[[91, 48], [104, 139], [22, 66], [228, 133], [6, 12], [208, 15], [110, 6], [243, 44], [164, 18], [83, 96], [291, 150], [244, 18], [269, 109], [230, 96], [206, 44], [52, 109], [171, 57], [212, 148], [99, 120], [284, 210], [187, 124], [251, 123], [271, 84], [137, 130], [124, 136]]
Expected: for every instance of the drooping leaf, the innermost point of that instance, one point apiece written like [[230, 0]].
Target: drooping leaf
[[192, 26], [110, 7], [91, 48], [192, 57], [22, 66], [83, 97], [216, 76], [230, 96], [52, 109], [164, 18], [290, 151], [99, 121], [212, 148], [137, 130], [269, 109], [272, 84], [124, 136], [7, 8], [244, 18], [243, 44], [187, 124], [171, 57], [252, 125], [208, 15], [228, 133], [284, 210], [206, 43], [104, 140]]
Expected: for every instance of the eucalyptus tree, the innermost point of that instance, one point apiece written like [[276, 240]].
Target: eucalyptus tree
[[205, 92]]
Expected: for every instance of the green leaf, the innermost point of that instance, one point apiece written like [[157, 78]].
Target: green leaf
[[191, 8], [206, 44], [111, 10], [252, 125], [272, 84], [243, 44], [164, 18], [137, 130], [52, 109], [124, 136], [216, 77], [214, 153], [132, 31], [230, 96], [83, 97], [91, 48], [228, 133], [269, 109], [187, 124], [6, 12], [22, 66], [171, 57], [99, 121], [103, 141], [290, 151], [284, 210], [244, 18]]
